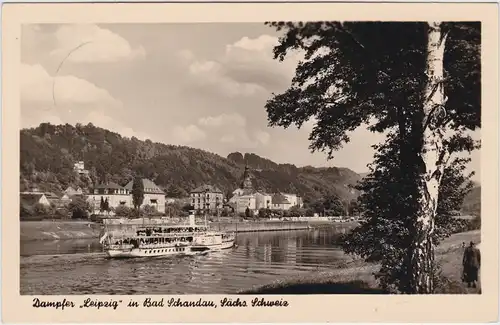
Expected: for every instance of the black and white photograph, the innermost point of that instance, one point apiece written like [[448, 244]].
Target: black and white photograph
[[287, 157]]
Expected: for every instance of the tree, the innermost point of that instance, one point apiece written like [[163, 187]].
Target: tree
[[385, 235], [102, 205], [106, 205], [79, 208], [149, 210], [176, 191], [62, 212], [123, 211], [354, 208], [137, 193], [248, 213], [333, 205], [41, 210], [420, 79]]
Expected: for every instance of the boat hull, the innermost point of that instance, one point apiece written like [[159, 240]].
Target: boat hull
[[214, 247], [152, 252], [146, 252]]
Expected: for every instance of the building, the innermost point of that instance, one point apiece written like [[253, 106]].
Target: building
[[29, 199], [263, 200], [280, 202], [53, 199], [247, 197], [70, 191], [122, 195], [153, 194], [114, 193], [79, 167], [294, 200], [245, 201], [207, 197]]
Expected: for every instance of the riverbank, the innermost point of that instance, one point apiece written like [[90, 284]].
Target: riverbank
[[259, 226], [354, 276], [58, 230]]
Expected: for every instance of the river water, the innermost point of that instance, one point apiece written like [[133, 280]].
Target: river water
[[80, 266]]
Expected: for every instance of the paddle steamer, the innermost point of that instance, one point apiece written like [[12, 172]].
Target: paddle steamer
[[130, 238]]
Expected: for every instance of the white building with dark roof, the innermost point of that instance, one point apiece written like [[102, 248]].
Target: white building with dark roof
[[122, 195], [115, 194], [207, 197], [153, 194]]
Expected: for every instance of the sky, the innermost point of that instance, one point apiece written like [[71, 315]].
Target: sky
[[199, 85]]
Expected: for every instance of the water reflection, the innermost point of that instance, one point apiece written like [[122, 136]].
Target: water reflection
[[259, 258]]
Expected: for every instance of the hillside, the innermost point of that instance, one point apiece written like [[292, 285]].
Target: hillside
[[48, 153]]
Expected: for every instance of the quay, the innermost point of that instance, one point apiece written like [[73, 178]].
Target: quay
[[260, 226], [60, 230]]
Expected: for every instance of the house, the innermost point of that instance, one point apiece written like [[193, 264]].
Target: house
[[280, 202], [207, 197], [79, 167], [122, 195], [114, 193], [263, 200], [29, 199], [153, 194], [294, 200], [245, 201], [53, 199], [71, 191]]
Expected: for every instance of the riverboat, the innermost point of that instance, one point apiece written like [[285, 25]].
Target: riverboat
[[142, 240]]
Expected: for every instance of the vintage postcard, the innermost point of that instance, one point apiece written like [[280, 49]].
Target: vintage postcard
[[250, 162]]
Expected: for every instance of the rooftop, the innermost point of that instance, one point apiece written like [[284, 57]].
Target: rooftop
[[206, 188], [279, 199], [109, 185], [149, 186], [31, 198]]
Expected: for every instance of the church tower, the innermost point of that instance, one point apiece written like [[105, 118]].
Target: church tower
[[247, 180]]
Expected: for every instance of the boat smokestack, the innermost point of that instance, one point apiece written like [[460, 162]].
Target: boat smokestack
[[192, 220]]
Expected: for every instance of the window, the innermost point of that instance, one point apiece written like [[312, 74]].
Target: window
[[154, 201]]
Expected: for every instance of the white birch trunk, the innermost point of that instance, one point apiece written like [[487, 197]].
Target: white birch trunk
[[433, 157]]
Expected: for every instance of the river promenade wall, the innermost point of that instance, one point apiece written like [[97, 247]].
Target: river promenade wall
[[259, 226], [59, 230]]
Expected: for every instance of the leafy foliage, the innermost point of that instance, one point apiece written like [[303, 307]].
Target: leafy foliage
[[79, 208], [384, 236], [137, 192], [374, 73], [48, 153]]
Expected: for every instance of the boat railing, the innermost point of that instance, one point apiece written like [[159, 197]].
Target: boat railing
[[157, 235]]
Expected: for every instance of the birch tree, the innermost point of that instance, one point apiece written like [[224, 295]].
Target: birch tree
[[421, 79]]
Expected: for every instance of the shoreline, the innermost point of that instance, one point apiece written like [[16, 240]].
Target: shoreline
[[356, 276], [81, 229]]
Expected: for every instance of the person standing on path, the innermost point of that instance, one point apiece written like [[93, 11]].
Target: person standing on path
[[471, 264]]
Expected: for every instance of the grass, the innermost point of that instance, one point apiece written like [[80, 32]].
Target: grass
[[356, 276]]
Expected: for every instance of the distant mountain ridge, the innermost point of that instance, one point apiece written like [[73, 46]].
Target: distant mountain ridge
[[48, 153]]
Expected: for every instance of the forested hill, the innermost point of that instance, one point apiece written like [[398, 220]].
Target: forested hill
[[48, 153]]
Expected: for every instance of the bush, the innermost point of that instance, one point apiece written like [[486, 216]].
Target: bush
[[62, 213], [123, 211], [149, 210], [79, 208]]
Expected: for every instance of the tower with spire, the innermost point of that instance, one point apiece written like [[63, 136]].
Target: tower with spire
[[246, 184]]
